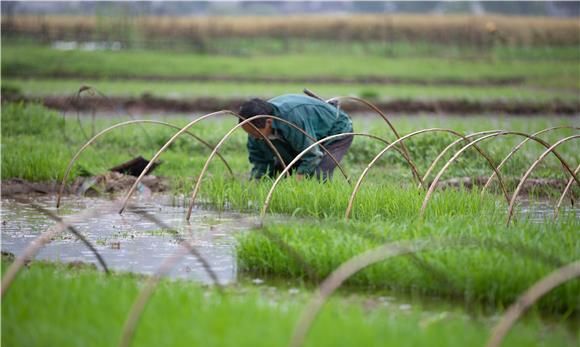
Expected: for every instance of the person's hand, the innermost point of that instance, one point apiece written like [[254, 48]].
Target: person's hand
[[299, 177]]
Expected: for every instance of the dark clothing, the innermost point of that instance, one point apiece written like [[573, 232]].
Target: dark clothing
[[338, 149], [318, 119]]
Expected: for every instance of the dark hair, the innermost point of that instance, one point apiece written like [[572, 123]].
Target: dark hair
[[256, 107]]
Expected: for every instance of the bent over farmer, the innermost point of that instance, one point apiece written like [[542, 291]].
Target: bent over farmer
[[316, 117]]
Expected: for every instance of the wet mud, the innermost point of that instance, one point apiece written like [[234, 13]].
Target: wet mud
[[480, 82], [111, 182], [148, 103]]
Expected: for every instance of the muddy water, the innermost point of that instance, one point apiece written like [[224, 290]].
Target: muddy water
[[129, 242]]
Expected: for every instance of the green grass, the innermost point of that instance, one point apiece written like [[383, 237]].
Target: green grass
[[471, 273], [37, 145], [23, 60], [185, 90], [374, 200], [247, 47], [33, 151], [50, 305]]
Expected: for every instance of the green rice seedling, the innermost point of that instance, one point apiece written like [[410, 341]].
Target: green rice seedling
[[37, 144], [21, 60], [499, 263], [58, 306], [374, 200]]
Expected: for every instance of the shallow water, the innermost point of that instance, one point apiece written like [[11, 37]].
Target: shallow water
[[542, 211], [129, 242]]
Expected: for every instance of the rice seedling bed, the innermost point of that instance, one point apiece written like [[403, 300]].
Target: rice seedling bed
[[54, 305]]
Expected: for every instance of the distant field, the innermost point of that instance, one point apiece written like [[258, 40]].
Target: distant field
[[39, 61], [481, 31]]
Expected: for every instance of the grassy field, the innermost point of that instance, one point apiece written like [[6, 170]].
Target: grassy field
[[54, 305], [23, 60], [474, 272], [44, 305], [27, 154], [488, 59], [37, 145]]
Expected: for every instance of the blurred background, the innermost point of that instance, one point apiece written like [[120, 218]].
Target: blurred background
[[506, 57]]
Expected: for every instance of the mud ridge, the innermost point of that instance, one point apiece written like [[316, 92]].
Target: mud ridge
[[480, 82], [147, 103], [113, 182], [109, 183]]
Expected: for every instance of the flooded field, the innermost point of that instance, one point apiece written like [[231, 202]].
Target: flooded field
[[129, 242], [453, 220]]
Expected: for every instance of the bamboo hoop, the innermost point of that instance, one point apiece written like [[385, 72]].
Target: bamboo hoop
[[239, 125], [444, 151], [93, 139], [534, 164], [568, 185], [271, 192], [386, 251], [517, 147], [378, 156], [43, 239], [170, 141], [526, 300], [433, 185], [386, 119]]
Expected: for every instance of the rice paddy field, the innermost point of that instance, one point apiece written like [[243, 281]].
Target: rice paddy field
[[378, 256]]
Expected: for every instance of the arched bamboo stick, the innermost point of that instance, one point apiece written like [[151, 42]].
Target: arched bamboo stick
[[146, 293], [112, 105], [382, 253], [299, 156], [526, 300], [386, 119], [516, 148], [94, 138], [34, 247], [239, 125], [534, 164], [433, 185], [69, 227], [568, 185], [76, 100], [170, 141], [181, 241], [134, 315], [443, 152], [378, 156]]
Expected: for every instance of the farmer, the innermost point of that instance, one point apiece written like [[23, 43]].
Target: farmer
[[316, 117]]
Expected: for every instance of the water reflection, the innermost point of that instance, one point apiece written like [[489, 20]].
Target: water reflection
[[129, 242]]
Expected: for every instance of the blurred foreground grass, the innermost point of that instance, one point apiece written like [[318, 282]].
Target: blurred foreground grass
[[54, 305]]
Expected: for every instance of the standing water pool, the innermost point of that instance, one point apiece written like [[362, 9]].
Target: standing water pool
[[129, 242]]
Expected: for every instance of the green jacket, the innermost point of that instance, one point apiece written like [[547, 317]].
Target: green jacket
[[317, 118]]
